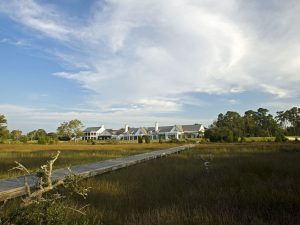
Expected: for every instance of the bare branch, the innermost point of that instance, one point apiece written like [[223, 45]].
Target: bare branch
[[20, 167], [78, 210]]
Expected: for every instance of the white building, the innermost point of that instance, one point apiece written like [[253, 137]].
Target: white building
[[93, 133], [156, 132]]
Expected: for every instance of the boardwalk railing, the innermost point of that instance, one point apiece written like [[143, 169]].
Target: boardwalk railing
[[14, 187]]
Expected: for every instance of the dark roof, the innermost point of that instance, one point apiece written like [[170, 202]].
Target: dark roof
[[191, 128], [120, 131], [179, 128], [89, 129], [165, 128], [132, 130], [150, 129], [106, 133], [112, 131]]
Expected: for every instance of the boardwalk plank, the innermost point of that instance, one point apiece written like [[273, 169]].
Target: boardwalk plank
[[14, 187]]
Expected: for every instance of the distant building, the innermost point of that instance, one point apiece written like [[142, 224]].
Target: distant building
[[92, 133], [156, 132]]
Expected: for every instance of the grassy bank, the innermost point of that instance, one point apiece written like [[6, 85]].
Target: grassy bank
[[32, 155], [246, 184]]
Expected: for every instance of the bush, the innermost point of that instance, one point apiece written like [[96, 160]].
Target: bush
[[64, 138], [24, 139], [44, 204], [174, 140], [220, 134], [42, 141], [280, 137], [147, 139], [243, 139], [53, 141], [47, 212], [140, 139]]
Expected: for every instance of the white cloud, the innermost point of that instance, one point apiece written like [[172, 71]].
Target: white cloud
[[145, 55], [29, 118], [22, 43], [275, 90], [44, 19]]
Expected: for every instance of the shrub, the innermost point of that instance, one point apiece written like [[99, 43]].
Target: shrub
[[140, 139], [24, 139], [147, 139], [243, 139], [174, 140], [280, 137], [42, 140], [44, 204]]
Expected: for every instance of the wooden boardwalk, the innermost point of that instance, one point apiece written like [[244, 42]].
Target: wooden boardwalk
[[14, 187]]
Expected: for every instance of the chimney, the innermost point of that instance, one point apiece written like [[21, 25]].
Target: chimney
[[102, 128], [126, 128], [156, 126]]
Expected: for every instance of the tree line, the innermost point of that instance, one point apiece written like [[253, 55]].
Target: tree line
[[232, 127], [65, 132], [228, 127]]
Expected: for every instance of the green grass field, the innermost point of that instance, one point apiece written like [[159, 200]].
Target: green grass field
[[252, 183]]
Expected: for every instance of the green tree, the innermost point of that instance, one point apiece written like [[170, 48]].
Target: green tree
[[16, 135], [53, 138], [260, 123], [31, 135], [250, 123], [228, 127], [219, 134], [24, 139], [71, 129], [293, 116], [4, 132], [40, 133], [290, 120], [36, 134]]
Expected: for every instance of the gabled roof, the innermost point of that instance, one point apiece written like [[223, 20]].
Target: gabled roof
[[165, 129], [191, 128], [144, 130], [150, 129], [120, 131], [106, 133], [90, 129], [132, 130], [179, 128]]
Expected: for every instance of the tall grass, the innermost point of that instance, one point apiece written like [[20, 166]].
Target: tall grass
[[246, 184], [32, 156]]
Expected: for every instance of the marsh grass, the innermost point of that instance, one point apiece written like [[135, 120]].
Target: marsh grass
[[253, 184], [245, 186], [33, 156]]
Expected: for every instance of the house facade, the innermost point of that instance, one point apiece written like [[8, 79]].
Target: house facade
[[92, 133], [155, 133]]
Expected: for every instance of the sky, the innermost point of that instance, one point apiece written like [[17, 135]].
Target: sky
[[136, 62]]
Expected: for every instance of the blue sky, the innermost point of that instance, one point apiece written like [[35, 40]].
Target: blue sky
[[174, 61]]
